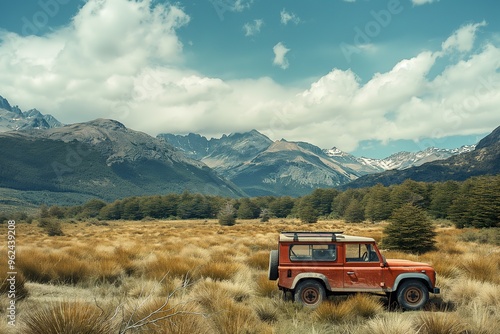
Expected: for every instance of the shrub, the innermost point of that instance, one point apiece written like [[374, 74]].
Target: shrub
[[52, 227], [227, 215], [265, 215]]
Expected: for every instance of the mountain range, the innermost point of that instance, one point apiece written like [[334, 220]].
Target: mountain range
[[103, 159], [260, 166], [45, 161], [12, 118]]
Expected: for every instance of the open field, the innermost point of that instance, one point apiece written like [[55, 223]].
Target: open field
[[200, 277]]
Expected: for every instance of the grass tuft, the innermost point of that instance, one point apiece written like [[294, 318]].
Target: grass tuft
[[439, 323], [391, 323], [67, 317], [329, 311]]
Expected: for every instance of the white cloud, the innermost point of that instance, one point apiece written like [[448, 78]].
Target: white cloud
[[91, 64], [253, 28], [240, 5], [422, 2], [288, 17], [133, 71], [280, 51], [462, 40]]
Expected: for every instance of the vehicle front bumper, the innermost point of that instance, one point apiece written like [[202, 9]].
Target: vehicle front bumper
[[436, 290]]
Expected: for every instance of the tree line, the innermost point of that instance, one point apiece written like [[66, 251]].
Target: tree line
[[471, 203]]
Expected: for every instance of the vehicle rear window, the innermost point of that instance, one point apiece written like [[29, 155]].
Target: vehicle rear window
[[313, 252]]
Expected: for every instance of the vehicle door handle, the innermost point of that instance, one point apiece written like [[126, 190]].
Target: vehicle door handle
[[350, 273]]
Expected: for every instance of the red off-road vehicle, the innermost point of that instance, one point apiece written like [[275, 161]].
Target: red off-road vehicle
[[314, 265]]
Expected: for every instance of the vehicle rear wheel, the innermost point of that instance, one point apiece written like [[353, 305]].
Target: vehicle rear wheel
[[310, 293], [412, 295], [273, 265]]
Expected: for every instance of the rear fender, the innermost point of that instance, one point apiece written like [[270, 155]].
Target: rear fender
[[317, 276]]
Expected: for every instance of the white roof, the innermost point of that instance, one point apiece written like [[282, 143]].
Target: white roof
[[321, 237]]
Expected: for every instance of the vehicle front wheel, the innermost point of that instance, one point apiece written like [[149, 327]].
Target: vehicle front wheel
[[412, 295], [310, 293]]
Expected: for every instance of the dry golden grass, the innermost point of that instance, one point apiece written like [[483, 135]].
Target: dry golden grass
[[439, 323], [358, 305], [334, 312], [67, 317], [393, 323], [219, 276], [258, 260], [265, 287]]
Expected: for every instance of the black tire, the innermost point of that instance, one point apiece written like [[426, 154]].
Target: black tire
[[273, 265], [310, 293], [412, 295]]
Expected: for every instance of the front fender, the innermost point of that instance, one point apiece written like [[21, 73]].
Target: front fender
[[419, 276], [302, 276]]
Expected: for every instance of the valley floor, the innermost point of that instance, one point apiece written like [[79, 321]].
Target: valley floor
[[200, 277]]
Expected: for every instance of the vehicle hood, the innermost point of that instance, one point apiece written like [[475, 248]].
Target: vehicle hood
[[405, 263]]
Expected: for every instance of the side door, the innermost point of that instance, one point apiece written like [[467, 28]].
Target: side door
[[362, 270], [316, 258]]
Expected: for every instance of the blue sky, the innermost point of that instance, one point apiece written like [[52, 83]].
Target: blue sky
[[369, 77]]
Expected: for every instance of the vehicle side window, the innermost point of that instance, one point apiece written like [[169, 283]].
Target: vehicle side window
[[361, 253], [304, 252]]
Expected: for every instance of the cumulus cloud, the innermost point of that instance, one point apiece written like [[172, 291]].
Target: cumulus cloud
[[288, 17], [133, 71], [462, 40], [92, 64], [280, 51], [253, 28]]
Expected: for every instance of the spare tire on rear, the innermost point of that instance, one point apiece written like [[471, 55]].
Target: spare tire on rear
[[273, 265]]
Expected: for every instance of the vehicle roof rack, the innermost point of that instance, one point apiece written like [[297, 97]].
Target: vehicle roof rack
[[311, 234]]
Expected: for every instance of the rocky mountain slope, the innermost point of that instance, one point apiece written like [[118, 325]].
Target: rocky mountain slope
[[12, 118], [103, 159], [403, 160], [484, 160], [260, 166]]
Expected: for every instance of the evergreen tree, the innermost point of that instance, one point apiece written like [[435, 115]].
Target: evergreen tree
[[91, 208], [281, 207], [459, 211], [322, 200], [112, 211], [377, 203], [342, 201], [485, 202], [442, 197], [248, 209], [306, 211], [354, 212], [410, 230], [131, 209], [412, 192]]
